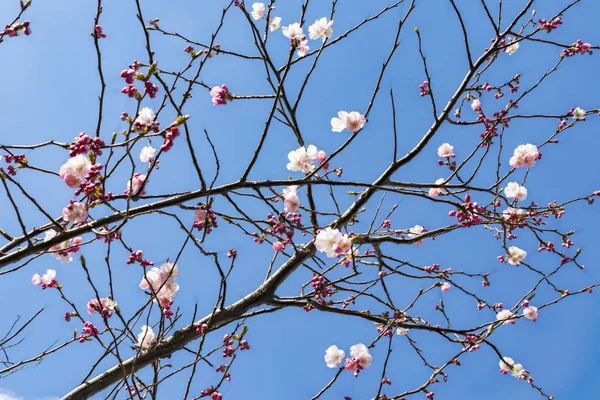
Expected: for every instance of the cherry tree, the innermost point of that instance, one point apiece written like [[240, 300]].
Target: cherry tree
[[289, 165]]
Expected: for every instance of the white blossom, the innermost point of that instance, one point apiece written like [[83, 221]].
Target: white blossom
[[334, 356], [147, 154], [320, 29]]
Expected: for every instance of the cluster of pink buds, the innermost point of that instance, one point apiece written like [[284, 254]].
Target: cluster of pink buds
[[84, 144], [107, 236], [322, 288], [232, 253], [170, 137], [205, 218], [431, 269], [214, 395], [138, 256], [577, 48], [471, 342], [90, 330], [13, 30], [90, 187], [154, 22], [131, 74], [191, 51], [549, 26], [201, 328], [470, 213], [385, 330], [430, 395], [223, 368], [387, 224], [228, 348], [501, 43], [150, 89], [220, 95], [17, 159], [556, 210], [278, 225], [424, 88], [99, 32]]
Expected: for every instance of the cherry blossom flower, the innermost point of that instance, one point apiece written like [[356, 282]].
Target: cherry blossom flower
[[514, 190], [401, 331], [146, 338], [578, 114], [505, 316], [75, 170], [62, 251], [145, 117], [258, 11], [302, 47], [328, 242], [220, 95], [147, 154], [274, 24], [48, 280], [446, 287], [353, 121], [361, 354], [320, 29], [531, 313], [75, 213], [434, 192], [513, 213], [291, 200], [278, 246], [135, 184], [446, 151], [94, 306], [334, 356], [302, 159], [525, 155], [516, 255], [416, 231], [162, 283], [293, 31], [512, 48], [508, 364], [476, 106]]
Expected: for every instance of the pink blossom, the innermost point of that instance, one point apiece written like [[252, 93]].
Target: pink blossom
[[505, 316], [162, 283], [525, 155], [514, 190], [278, 246], [446, 287], [75, 170], [515, 255], [220, 95], [434, 192], [135, 184], [48, 280], [353, 121], [75, 212], [291, 200], [99, 32], [476, 106], [302, 159], [446, 151], [332, 242], [531, 313]]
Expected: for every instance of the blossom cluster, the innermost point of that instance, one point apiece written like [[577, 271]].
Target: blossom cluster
[[161, 282], [359, 359]]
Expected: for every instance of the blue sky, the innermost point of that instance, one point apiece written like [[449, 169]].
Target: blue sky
[[50, 90]]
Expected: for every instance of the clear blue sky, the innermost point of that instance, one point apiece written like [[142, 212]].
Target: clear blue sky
[[50, 89]]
